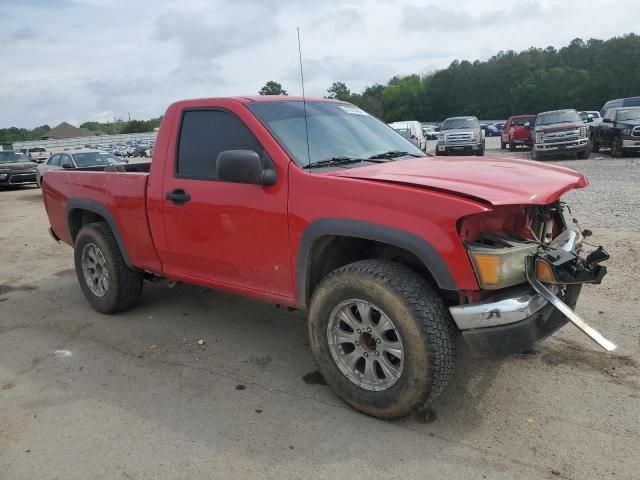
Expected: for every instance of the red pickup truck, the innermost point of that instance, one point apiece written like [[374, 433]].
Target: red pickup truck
[[319, 206], [518, 131]]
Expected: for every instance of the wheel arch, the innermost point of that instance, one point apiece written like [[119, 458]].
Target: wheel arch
[[80, 212], [334, 242]]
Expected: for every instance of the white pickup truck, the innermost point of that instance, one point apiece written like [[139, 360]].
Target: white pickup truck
[[412, 131]]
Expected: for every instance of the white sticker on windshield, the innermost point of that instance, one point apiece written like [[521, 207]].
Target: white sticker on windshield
[[353, 110]]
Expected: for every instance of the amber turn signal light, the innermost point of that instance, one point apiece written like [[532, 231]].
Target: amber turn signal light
[[544, 272]]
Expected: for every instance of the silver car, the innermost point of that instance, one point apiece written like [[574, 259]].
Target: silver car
[[77, 159]]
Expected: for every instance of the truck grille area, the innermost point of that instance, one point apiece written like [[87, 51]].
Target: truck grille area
[[635, 132], [19, 178], [561, 136], [463, 137]]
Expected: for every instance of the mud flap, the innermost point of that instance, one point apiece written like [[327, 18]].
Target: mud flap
[[572, 316]]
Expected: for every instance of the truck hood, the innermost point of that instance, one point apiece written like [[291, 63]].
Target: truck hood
[[18, 166], [558, 126], [494, 181]]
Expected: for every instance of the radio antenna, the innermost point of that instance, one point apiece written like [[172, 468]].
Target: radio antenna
[[304, 100]]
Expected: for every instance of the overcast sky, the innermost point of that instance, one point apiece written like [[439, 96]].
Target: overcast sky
[[79, 60]]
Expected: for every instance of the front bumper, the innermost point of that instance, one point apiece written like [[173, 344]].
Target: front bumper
[[521, 335], [562, 147], [17, 178], [459, 147], [631, 144]]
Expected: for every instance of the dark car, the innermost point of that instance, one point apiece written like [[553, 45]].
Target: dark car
[[493, 130], [16, 169], [619, 131]]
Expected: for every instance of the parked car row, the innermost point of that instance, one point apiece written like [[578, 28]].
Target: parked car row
[[129, 149], [82, 158]]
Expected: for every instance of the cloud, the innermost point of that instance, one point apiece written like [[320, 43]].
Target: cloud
[[340, 20], [434, 18], [207, 34]]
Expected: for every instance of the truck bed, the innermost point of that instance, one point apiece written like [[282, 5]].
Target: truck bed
[[119, 197]]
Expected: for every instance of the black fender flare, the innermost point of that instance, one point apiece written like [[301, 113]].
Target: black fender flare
[[99, 209], [423, 250]]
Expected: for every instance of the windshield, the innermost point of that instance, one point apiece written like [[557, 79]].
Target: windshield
[[567, 116], [12, 157], [455, 123], [92, 159], [405, 132], [628, 114], [335, 130], [519, 122]]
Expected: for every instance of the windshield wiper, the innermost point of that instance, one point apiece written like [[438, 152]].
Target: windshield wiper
[[393, 154], [338, 161]]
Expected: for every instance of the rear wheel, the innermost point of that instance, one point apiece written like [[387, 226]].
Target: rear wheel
[[108, 284], [512, 146], [382, 338]]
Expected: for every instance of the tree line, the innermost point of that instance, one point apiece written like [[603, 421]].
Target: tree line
[[15, 134], [582, 75]]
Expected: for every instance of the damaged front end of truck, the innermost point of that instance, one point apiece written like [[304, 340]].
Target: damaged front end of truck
[[530, 265]]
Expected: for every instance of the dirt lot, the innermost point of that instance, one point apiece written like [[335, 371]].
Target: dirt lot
[[134, 396]]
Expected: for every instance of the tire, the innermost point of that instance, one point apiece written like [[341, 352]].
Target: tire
[[512, 147], [503, 145], [585, 153], [535, 155], [123, 286], [595, 145], [616, 148], [420, 319], [480, 152]]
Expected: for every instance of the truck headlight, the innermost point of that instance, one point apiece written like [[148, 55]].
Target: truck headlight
[[626, 131], [500, 267], [441, 137], [583, 132], [3, 176], [538, 137]]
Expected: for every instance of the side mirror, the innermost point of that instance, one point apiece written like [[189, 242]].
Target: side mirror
[[527, 124], [67, 166], [607, 120], [243, 166], [589, 118]]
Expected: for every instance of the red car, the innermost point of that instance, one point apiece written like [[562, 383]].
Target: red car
[[320, 206], [518, 131]]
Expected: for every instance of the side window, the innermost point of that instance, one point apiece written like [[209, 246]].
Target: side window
[[65, 160], [206, 133], [54, 160]]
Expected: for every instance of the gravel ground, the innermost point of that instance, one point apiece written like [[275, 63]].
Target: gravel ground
[[135, 396]]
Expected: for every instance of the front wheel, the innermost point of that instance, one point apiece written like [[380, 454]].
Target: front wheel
[[595, 145], [108, 284], [616, 148], [382, 338], [480, 151]]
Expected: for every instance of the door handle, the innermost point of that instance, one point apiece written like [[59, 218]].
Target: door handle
[[178, 196]]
